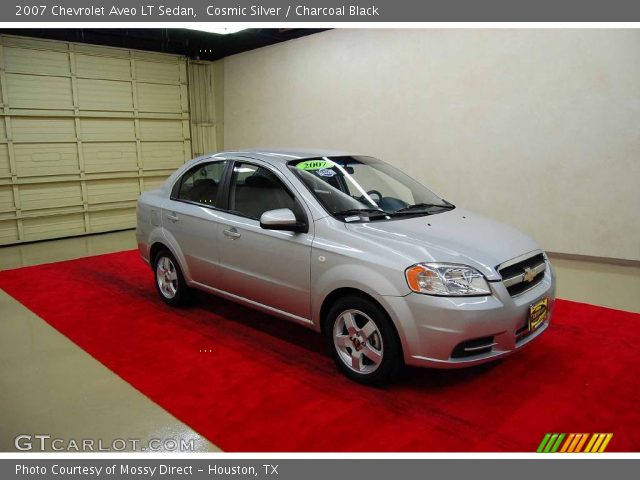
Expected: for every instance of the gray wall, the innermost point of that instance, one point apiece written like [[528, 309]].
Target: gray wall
[[537, 127]]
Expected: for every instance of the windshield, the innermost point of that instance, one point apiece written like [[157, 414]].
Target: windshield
[[364, 188]]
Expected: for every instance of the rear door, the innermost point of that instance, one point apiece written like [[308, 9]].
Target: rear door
[[271, 267], [192, 216]]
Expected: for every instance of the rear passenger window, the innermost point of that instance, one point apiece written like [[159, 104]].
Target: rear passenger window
[[255, 190], [201, 183]]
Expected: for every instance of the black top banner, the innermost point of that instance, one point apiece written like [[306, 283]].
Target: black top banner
[[222, 11]]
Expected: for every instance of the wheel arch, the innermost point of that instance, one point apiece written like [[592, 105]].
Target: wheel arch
[[159, 245], [162, 238], [153, 251]]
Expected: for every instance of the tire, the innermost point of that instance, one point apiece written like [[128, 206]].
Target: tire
[[363, 341], [170, 283]]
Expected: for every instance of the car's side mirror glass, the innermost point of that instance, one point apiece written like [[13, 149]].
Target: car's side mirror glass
[[281, 219]]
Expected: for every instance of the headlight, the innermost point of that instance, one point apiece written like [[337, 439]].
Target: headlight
[[446, 279]]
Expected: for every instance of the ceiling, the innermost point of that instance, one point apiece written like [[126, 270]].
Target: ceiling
[[191, 43]]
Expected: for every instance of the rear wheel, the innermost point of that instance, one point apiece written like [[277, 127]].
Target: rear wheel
[[170, 282], [363, 341]]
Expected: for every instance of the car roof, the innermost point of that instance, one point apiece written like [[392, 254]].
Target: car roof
[[282, 155]]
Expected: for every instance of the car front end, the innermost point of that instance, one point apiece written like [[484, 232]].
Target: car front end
[[460, 288], [448, 331]]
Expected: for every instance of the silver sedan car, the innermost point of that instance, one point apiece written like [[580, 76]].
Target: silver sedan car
[[349, 246]]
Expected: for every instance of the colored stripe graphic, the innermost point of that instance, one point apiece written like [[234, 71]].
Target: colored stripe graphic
[[557, 444], [597, 443], [606, 442], [550, 443], [572, 447], [596, 446], [582, 442], [568, 442], [543, 443], [590, 444]]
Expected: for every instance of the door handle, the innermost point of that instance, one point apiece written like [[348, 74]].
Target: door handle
[[232, 233], [173, 217]]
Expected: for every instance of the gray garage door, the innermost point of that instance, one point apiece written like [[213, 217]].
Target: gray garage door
[[85, 129]]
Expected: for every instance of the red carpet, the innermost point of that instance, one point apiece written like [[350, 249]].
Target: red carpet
[[267, 385]]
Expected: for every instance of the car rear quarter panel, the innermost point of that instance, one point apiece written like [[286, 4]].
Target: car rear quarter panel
[[149, 229]]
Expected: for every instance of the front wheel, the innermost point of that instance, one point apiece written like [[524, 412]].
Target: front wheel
[[170, 282], [363, 341]]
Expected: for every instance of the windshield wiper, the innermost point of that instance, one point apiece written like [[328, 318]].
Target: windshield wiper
[[421, 206], [356, 211]]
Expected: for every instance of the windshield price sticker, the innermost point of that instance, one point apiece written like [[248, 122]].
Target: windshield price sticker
[[315, 165]]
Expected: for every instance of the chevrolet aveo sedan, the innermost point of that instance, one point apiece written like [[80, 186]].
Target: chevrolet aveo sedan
[[351, 247]]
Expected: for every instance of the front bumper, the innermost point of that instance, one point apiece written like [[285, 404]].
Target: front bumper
[[432, 327]]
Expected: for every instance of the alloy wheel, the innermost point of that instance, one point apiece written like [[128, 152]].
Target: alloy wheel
[[167, 277], [358, 341]]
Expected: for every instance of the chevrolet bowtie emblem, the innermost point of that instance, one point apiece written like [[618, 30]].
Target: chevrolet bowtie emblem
[[529, 275]]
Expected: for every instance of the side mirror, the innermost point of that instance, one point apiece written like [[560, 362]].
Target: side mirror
[[281, 219]]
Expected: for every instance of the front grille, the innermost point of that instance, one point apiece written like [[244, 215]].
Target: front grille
[[470, 348], [514, 276]]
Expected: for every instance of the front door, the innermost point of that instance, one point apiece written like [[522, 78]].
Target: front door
[[271, 267]]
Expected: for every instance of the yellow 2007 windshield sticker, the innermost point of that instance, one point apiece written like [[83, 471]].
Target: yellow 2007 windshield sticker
[[315, 164]]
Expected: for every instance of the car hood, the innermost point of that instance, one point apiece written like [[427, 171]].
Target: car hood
[[455, 236]]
